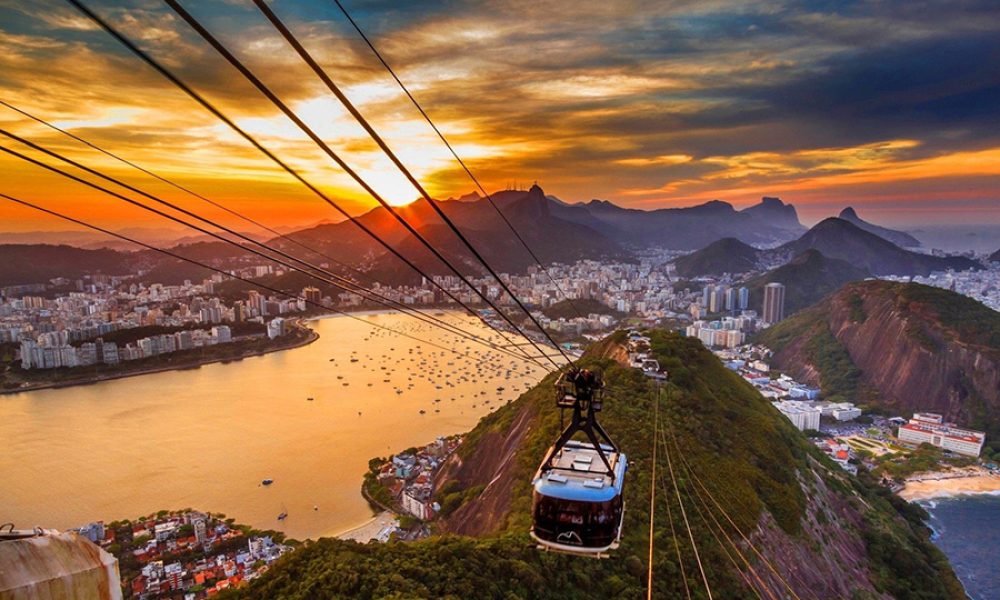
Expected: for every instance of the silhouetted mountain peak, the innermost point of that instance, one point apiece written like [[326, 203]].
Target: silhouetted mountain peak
[[848, 213], [834, 224], [900, 238], [772, 211], [715, 205], [844, 240], [534, 203], [728, 255]]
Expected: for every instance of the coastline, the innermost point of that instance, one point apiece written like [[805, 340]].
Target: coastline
[[310, 337], [371, 529], [927, 486]]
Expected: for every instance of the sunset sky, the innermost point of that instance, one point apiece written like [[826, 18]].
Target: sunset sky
[[892, 107]]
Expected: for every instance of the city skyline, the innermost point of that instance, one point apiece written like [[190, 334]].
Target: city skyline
[[880, 107]]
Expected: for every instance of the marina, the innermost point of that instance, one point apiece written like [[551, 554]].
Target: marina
[[209, 438]]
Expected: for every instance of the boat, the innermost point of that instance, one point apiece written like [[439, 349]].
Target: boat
[[267, 482], [310, 399], [283, 516], [315, 507]]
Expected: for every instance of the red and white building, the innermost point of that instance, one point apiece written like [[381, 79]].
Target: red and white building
[[930, 428]]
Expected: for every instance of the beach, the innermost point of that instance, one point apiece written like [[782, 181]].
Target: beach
[[973, 480], [379, 524]]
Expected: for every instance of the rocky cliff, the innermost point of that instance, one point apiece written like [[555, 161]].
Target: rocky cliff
[[910, 347]]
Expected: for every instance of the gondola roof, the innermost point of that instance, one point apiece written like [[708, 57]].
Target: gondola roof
[[578, 474]]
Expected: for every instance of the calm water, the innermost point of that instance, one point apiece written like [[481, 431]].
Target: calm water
[[967, 528], [205, 438]]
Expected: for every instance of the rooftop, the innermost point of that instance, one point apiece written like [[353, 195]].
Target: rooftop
[[578, 473]]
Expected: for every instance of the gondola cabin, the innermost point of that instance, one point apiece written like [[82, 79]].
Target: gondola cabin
[[577, 505]]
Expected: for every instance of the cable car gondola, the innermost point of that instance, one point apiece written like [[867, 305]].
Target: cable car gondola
[[577, 503]]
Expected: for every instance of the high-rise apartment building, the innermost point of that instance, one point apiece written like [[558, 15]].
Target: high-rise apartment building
[[774, 302], [744, 298]]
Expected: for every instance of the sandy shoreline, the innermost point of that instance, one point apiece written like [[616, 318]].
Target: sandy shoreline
[[925, 486], [371, 529]]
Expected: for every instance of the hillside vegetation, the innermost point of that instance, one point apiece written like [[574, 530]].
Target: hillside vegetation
[[568, 309], [900, 347], [728, 255], [38, 263], [775, 485], [807, 278]]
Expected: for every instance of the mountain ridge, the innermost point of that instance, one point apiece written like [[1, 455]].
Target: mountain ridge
[[843, 240], [687, 228], [807, 277], [900, 238], [728, 255]]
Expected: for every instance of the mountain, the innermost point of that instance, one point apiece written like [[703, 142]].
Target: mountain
[[337, 244], [686, 228], [995, 257], [843, 240], [903, 347], [775, 213], [38, 263], [728, 255], [900, 238], [552, 238], [778, 489], [807, 278]]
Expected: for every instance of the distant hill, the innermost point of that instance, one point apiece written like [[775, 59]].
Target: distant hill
[[38, 263], [840, 239], [778, 488], [552, 238], [807, 278], [687, 228], [903, 347], [776, 213], [728, 255], [995, 257], [900, 238]]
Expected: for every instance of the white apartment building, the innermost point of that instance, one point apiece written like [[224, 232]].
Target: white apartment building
[[802, 415], [930, 428]]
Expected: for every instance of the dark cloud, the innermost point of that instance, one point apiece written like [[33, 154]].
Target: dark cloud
[[587, 98]]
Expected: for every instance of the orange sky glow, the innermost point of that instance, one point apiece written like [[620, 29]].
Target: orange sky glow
[[646, 108]]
